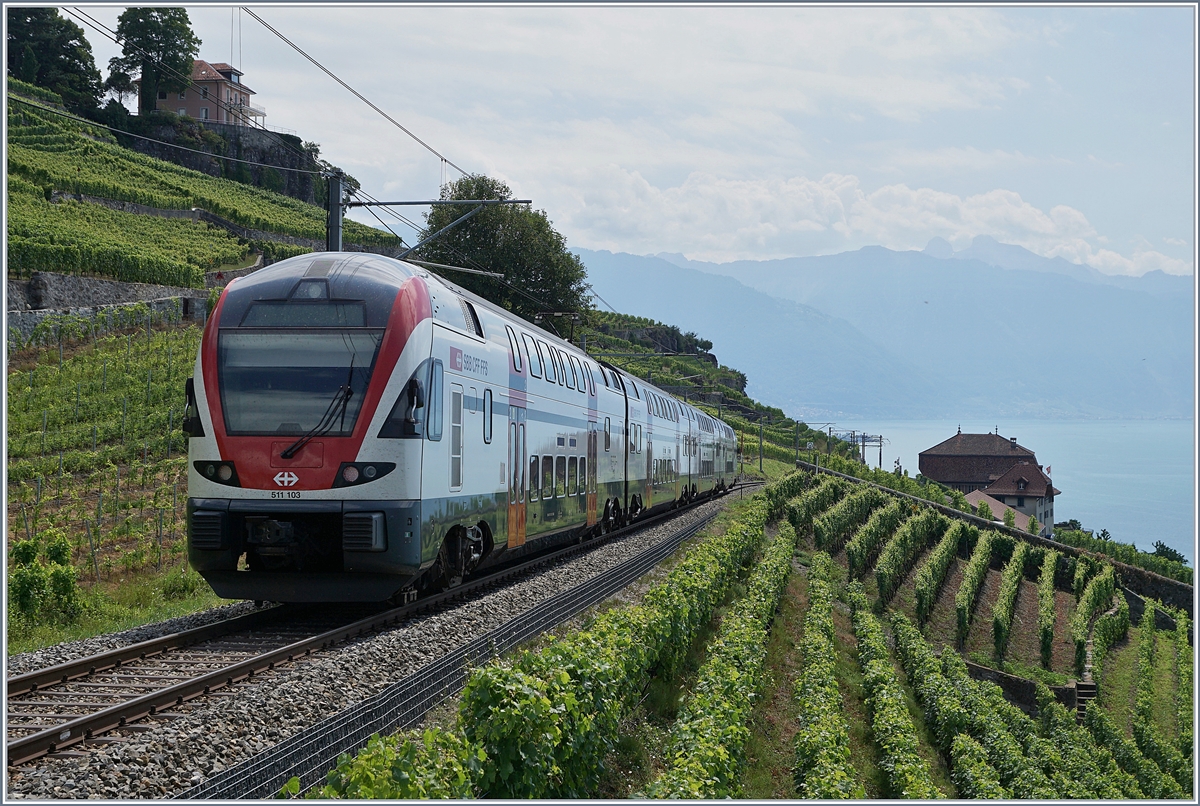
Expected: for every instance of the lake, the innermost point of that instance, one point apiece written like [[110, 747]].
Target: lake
[[1135, 478]]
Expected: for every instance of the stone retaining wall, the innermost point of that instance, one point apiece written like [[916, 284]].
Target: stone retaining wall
[[1021, 691], [48, 290], [24, 322]]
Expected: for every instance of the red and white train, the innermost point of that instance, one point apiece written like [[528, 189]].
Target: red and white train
[[361, 428]]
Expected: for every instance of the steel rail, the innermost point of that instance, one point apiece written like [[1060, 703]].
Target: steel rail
[[55, 738]]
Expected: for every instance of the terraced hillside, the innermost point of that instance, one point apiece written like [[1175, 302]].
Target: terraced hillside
[[52, 156], [863, 670]]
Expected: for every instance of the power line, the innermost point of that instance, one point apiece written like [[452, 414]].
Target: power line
[[160, 142], [355, 92]]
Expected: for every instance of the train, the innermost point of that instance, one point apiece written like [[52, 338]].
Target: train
[[361, 429]]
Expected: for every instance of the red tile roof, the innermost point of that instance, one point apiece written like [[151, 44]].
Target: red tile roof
[[1037, 483], [209, 71]]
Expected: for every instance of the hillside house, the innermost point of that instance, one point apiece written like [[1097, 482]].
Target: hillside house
[[1000, 468], [216, 94]]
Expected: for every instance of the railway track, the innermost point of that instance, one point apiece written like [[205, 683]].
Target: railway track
[[80, 702]]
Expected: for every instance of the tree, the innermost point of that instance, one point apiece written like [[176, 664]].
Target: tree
[[52, 52], [1010, 519], [1161, 549], [1104, 535], [157, 46], [118, 84], [514, 240], [1033, 527], [984, 511]]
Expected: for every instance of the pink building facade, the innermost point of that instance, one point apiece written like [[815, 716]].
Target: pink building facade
[[216, 94]]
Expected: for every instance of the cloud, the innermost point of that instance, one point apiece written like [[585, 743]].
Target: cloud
[[707, 217]]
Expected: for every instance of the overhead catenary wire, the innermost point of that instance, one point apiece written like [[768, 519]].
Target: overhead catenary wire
[[354, 92]]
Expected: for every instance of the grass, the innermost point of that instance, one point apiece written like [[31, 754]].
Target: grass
[[116, 605], [770, 752]]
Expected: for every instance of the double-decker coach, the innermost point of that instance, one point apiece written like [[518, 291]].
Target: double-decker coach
[[361, 429]]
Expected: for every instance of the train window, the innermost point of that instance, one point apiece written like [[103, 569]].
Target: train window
[[583, 476], [487, 416], [456, 436], [562, 371], [547, 477], [633, 386], [514, 348], [607, 433], [576, 366], [535, 359], [560, 472], [303, 313], [451, 309], [604, 377], [547, 356], [568, 370], [433, 407], [472, 399], [633, 439], [572, 475], [591, 379], [534, 478], [402, 421]]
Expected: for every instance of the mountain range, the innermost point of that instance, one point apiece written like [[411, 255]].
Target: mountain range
[[990, 330]]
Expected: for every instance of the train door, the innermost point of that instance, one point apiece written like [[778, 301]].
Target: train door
[[675, 469], [593, 451], [517, 457], [650, 475]]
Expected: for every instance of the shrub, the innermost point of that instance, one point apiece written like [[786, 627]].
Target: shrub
[[1010, 586], [904, 547], [831, 529], [973, 777], [1153, 782], [861, 549], [932, 573], [418, 765], [972, 581], [180, 582], [1047, 609], [1097, 596], [24, 552], [28, 585], [58, 549]]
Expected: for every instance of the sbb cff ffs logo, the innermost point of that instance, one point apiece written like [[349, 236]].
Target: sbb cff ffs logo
[[286, 478]]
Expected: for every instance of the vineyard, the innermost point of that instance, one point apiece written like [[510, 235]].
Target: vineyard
[[50, 153], [96, 462], [873, 658]]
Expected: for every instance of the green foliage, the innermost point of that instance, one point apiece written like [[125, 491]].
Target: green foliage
[[1183, 674], [1033, 527], [932, 573], [1047, 610], [1084, 569], [1010, 585], [1145, 734], [49, 151], [547, 719], [417, 765], [24, 552], [803, 510], [1108, 629], [1083, 761], [891, 725], [181, 582], [823, 769], [708, 741], [52, 52], [904, 547], [955, 704], [1096, 597], [1010, 519], [861, 550], [972, 582], [158, 45], [838, 523], [1153, 782], [973, 777], [81, 238], [984, 511], [58, 547], [1126, 553], [514, 240]]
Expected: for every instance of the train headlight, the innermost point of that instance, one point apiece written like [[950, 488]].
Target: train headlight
[[219, 472], [352, 473]]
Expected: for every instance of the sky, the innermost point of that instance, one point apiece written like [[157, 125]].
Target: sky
[[735, 133]]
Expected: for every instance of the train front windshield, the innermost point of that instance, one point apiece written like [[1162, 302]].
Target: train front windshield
[[276, 381]]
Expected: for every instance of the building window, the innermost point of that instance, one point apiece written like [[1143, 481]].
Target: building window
[[204, 92], [182, 111], [162, 95], [183, 95], [204, 113], [1020, 501]]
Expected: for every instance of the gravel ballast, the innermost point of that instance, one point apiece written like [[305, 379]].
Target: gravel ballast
[[218, 732]]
